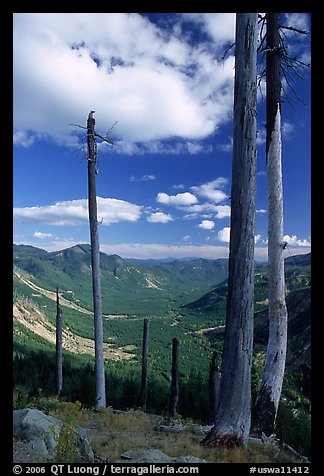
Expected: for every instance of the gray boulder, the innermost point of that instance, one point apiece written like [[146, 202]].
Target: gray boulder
[[41, 433], [155, 456], [39, 430]]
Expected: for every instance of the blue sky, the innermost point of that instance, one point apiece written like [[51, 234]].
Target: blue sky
[[163, 188]]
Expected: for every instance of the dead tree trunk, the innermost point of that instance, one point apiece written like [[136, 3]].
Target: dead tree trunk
[[214, 382], [232, 423], [59, 372], [267, 402], [144, 363], [175, 378], [95, 262]]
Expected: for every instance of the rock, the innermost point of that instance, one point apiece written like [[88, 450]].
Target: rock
[[155, 456], [40, 430], [83, 444], [41, 433]]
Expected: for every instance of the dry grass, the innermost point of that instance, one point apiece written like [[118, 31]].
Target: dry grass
[[111, 434]]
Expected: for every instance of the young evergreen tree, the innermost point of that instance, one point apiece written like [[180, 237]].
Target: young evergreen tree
[[232, 422]]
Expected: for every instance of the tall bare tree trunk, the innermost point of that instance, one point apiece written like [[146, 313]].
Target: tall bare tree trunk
[[144, 363], [233, 416], [267, 402], [59, 373], [214, 383], [95, 262], [175, 377]]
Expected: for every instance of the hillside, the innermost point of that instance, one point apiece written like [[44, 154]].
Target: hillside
[[128, 286], [299, 331], [297, 275]]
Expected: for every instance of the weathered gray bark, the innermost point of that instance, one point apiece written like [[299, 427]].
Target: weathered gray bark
[[144, 363], [214, 383], [95, 262], [233, 417], [175, 377], [267, 402], [59, 372]]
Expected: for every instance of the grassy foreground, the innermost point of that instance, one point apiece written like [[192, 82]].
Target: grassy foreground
[[111, 433]]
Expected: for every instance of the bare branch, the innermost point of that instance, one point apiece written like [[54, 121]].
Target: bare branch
[[262, 36], [227, 50], [77, 125], [109, 131], [291, 28], [103, 138]]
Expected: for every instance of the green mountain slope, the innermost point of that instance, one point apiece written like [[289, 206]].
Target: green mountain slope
[[128, 286], [297, 275]]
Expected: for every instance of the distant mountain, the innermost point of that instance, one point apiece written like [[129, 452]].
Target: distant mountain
[[128, 286]]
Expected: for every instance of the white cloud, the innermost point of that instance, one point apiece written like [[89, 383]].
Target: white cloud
[[261, 210], [224, 234], [75, 212], [223, 211], [42, 236], [257, 238], [180, 186], [157, 87], [220, 27], [23, 138], [296, 20], [261, 136], [160, 251], [227, 147], [159, 147], [288, 130], [293, 240], [206, 225], [159, 217], [144, 178], [212, 190], [181, 199]]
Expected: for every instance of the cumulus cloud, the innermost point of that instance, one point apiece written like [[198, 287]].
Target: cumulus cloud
[[223, 211], [157, 87], [294, 241], [181, 199], [75, 212], [42, 236], [212, 190], [224, 234], [206, 225], [257, 238], [159, 217]]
